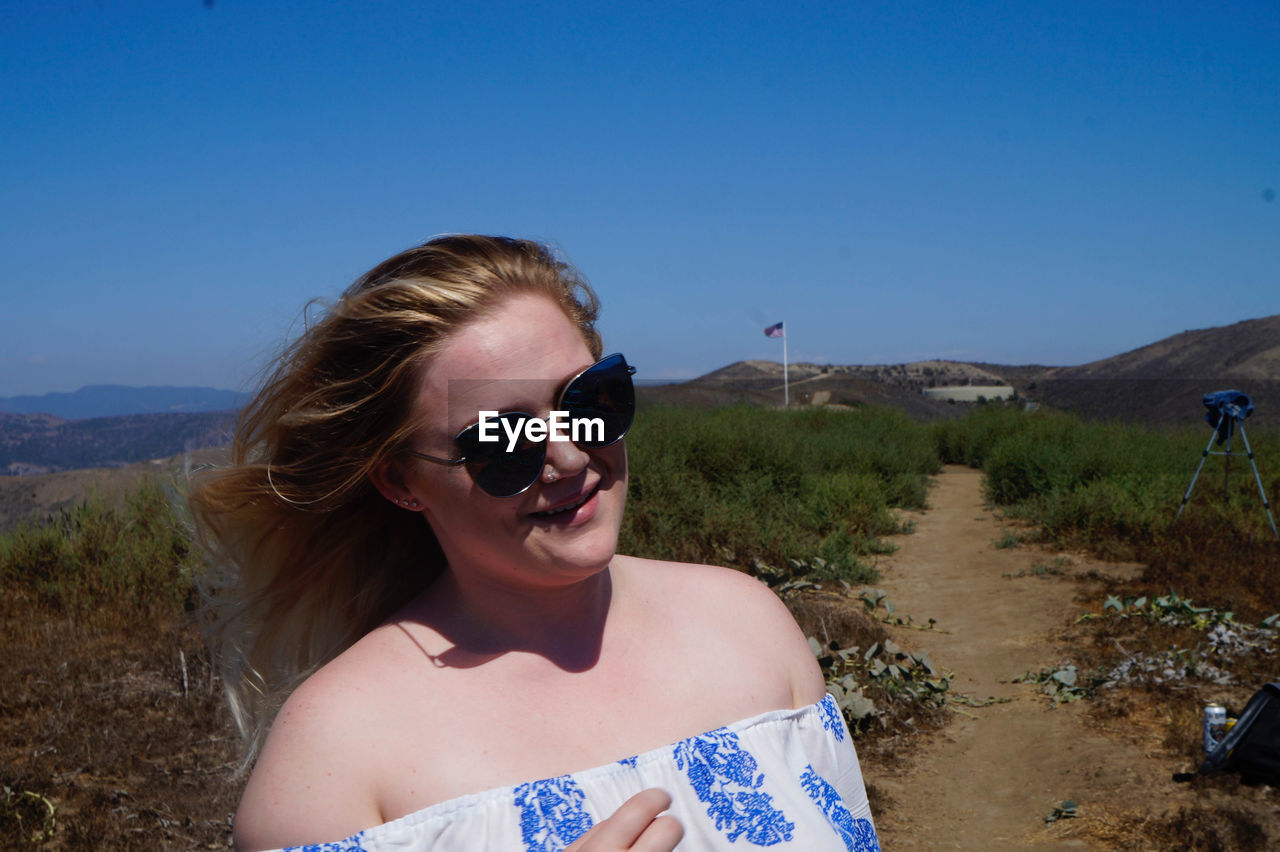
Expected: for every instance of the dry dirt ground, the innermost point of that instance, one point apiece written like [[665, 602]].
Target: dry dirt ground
[[988, 780]]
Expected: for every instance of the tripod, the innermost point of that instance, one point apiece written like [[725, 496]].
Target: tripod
[[1226, 473]]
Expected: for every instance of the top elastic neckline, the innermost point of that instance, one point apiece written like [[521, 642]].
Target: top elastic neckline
[[449, 808]]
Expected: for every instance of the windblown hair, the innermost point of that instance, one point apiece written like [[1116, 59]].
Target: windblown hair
[[307, 555]]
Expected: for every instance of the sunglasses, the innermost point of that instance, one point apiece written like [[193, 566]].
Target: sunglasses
[[603, 395]]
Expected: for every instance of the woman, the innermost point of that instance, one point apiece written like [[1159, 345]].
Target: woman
[[458, 639]]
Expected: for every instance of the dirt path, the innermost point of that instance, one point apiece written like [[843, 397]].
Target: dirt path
[[988, 780]]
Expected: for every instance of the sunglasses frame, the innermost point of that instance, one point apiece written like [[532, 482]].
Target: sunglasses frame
[[461, 460]]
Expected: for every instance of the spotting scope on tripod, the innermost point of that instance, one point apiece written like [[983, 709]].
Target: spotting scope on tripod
[[1226, 413]]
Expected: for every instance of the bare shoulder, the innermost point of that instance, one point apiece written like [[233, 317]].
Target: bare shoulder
[[311, 783], [691, 584], [735, 608]]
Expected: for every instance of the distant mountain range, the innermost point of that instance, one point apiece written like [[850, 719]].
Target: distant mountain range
[[1160, 383], [117, 400]]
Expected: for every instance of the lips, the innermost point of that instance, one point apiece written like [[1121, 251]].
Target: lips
[[568, 507]]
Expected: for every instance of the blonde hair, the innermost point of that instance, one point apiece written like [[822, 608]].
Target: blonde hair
[[308, 556]]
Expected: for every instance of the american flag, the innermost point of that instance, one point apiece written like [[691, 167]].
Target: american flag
[[774, 330]]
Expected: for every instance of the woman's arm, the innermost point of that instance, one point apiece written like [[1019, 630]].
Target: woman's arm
[[312, 782]]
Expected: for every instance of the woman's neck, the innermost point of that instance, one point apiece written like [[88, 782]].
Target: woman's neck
[[485, 618]]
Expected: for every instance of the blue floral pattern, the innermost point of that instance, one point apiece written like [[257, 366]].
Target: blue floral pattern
[[859, 835], [728, 785], [551, 813], [723, 775], [831, 720], [350, 844]]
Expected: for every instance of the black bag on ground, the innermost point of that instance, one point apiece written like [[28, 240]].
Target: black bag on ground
[[1252, 746]]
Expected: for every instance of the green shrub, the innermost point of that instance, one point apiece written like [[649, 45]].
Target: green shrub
[[745, 485], [1110, 486], [130, 559], [1007, 540]]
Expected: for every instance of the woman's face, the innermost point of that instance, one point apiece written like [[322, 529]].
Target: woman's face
[[515, 358]]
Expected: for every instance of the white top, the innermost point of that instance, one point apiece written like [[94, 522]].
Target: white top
[[787, 778]]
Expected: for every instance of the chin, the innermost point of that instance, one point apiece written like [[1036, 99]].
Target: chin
[[592, 544]]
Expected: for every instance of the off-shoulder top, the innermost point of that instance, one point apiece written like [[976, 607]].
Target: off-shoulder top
[[786, 778]]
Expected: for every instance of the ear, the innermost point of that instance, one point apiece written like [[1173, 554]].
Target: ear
[[388, 477]]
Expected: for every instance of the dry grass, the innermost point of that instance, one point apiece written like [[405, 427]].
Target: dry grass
[[831, 617], [835, 617], [110, 714], [1223, 828], [99, 725], [1165, 718], [1216, 563]]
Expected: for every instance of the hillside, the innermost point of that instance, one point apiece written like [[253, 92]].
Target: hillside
[[34, 499], [1160, 383], [1248, 351], [1163, 382], [895, 385], [38, 443]]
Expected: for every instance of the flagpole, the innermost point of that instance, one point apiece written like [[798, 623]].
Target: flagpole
[[786, 397], [779, 329]]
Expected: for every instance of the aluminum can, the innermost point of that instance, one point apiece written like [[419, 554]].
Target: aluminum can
[[1215, 725]]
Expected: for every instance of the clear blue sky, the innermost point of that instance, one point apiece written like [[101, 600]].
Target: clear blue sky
[[1008, 182]]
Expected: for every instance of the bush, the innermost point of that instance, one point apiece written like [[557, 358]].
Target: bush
[[745, 485], [101, 560], [1112, 487]]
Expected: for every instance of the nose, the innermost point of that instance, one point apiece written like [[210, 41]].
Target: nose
[[564, 459]]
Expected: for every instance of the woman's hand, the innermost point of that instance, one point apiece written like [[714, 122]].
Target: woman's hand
[[634, 827]]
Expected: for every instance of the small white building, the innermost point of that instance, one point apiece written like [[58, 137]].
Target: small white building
[[969, 393]]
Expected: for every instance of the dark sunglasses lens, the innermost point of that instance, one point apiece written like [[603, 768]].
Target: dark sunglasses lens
[[603, 392], [498, 471]]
